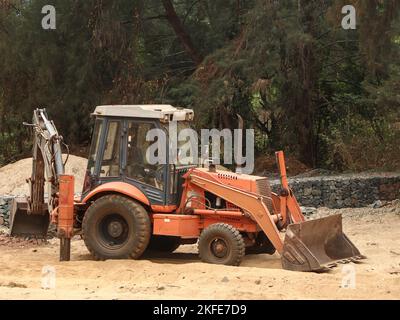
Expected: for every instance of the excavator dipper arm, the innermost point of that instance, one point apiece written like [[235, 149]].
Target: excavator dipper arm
[[31, 216]]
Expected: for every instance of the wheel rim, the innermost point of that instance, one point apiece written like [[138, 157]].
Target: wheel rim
[[219, 248], [113, 231]]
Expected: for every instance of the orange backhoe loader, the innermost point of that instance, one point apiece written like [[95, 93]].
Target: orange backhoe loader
[[128, 205]]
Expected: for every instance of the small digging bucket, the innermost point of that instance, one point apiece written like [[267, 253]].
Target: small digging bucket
[[25, 223], [317, 245]]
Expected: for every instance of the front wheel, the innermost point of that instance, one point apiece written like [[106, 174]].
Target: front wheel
[[221, 243], [116, 227]]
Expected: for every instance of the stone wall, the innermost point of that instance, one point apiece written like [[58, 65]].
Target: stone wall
[[344, 191], [5, 205]]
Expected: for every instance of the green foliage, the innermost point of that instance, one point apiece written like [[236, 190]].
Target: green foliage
[[328, 96]]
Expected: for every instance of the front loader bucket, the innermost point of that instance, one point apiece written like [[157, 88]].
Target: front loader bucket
[[317, 245], [24, 223]]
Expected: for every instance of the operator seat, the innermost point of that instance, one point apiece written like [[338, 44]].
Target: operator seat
[[135, 163]]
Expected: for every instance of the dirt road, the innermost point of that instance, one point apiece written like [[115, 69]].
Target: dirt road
[[182, 276]]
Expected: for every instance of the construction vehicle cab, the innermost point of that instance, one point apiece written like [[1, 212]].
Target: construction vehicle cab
[[131, 203], [121, 138]]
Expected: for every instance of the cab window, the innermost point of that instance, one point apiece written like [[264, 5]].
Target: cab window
[[110, 164], [94, 148], [138, 166]]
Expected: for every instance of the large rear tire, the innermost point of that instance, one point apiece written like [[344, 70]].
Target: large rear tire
[[116, 227], [221, 243]]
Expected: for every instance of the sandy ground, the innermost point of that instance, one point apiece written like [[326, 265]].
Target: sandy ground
[[13, 176], [181, 275]]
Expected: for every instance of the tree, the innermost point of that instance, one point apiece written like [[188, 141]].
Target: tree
[[180, 32], [327, 96]]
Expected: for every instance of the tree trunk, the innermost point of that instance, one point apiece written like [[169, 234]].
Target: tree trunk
[[183, 36], [307, 68]]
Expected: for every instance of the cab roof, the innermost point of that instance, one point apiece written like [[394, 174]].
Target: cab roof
[[163, 112]]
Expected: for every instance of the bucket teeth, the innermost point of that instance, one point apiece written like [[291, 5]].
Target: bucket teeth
[[344, 261], [357, 259]]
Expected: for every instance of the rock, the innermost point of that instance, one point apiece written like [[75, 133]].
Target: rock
[[15, 285], [347, 202], [225, 279], [316, 192], [376, 204], [308, 210], [2, 221], [307, 191]]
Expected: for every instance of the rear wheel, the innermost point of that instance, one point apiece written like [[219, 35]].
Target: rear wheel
[[221, 243], [115, 227], [164, 243]]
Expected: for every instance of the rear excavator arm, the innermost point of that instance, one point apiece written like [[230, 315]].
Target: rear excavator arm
[[31, 217], [47, 162]]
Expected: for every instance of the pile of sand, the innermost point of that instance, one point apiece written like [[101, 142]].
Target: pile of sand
[[13, 176]]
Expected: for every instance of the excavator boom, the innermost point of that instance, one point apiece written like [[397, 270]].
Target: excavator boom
[[31, 215]]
